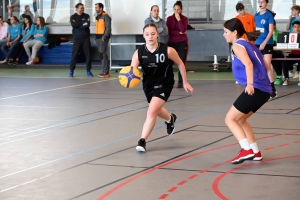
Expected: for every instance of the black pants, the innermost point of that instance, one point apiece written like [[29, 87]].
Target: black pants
[[86, 44], [19, 51], [288, 64], [182, 50], [277, 63]]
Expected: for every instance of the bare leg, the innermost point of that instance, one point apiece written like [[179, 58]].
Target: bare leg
[[232, 121], [268, 59], [155, 109], [247, 128]]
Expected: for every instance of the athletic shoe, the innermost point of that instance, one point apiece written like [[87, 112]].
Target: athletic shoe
[[243, 155], [236, 82], [3, 61], [103, 75], [286, 82], [170, 125], [141, 146], [299, 84], [273, 94], [15, 63], [179, 85], [296, 75], [291, 74], [257, 156], [71, 74], [89, 74], [10, 62], [278, 80], [30, 63]]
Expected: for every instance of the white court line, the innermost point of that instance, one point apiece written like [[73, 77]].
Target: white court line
[[22, 95]]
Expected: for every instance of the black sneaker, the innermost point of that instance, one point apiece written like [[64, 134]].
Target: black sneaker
[[273, 94], [15, 63], [141, 146], [10, 62], [179, 85], [170, 125]]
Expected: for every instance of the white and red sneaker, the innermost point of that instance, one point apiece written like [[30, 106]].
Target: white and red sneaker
[[257, 156], [243, 155]]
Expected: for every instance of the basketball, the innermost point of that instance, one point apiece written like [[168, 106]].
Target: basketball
[[129, 77], [37, 59]]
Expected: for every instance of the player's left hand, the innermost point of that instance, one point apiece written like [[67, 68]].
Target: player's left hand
[[188, 87], [249, 90]]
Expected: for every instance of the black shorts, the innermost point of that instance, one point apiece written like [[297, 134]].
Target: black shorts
[[267, 50], [246, 103], [163, 93]]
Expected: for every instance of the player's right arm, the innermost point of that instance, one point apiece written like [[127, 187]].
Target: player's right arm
[[288, 23], [135, 60]]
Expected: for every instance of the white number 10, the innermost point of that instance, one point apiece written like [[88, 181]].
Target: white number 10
[[160, 58]]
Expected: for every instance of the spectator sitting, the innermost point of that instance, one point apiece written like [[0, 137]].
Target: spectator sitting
[[26, 12], [40, 38], [287, 64], [3, 32], [27, 35], [14, 35]]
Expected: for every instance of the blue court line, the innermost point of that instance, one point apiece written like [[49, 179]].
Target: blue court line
[[109, 143]]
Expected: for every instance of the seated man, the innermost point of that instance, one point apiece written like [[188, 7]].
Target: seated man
[[287, 64]]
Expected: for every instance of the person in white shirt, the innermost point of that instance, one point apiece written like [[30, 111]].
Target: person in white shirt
[[3, 32]]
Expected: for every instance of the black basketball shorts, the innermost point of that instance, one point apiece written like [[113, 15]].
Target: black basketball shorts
[[246, 103], [163, 93], [267, 50]]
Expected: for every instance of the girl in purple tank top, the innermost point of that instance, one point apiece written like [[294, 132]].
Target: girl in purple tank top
[[249, 69]]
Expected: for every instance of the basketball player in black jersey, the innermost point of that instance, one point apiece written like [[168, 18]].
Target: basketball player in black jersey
[[156, 60]]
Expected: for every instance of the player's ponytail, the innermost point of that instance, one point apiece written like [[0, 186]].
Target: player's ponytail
[[235, 24]]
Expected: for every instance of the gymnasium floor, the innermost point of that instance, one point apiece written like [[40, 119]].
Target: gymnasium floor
[[75, 138]]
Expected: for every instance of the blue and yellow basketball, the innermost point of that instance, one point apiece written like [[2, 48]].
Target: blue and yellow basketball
[[129, 77]]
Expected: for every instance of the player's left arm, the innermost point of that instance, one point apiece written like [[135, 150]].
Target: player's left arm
[[173, 55], [135, 60]]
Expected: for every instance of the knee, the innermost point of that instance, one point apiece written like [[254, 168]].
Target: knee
[[151, 113]]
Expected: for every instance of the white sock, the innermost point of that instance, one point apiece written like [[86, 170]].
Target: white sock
[[244, 144], [169, 119], [254, 147]]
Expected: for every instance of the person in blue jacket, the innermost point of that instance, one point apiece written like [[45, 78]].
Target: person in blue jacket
[[14, 35], [40, 35], [248, 69]]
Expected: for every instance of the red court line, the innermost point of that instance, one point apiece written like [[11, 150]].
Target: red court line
[[216, 182], [297, 141], [163, 196], [172, 189], [269, 148], [193, 176], [282, 145], [182, 182], [177, 160]]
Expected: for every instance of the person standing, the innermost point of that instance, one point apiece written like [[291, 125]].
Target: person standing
[[80, 22], [156, 60], [3, 32], [26, 12], [264, 21], [248, 68], [246, 18], [177, 26], [160, 24], [103, 32]]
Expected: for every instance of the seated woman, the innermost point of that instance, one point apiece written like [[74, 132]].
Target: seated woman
[[3, 32], [27, 35], [40, 38], [14, 35]]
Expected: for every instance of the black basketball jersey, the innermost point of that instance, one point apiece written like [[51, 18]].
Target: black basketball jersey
[[157, 68]]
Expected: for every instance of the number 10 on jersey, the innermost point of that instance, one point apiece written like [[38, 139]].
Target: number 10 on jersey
[[160, 58]]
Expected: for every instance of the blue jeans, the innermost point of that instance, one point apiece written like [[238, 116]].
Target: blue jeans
[[9, 50]]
